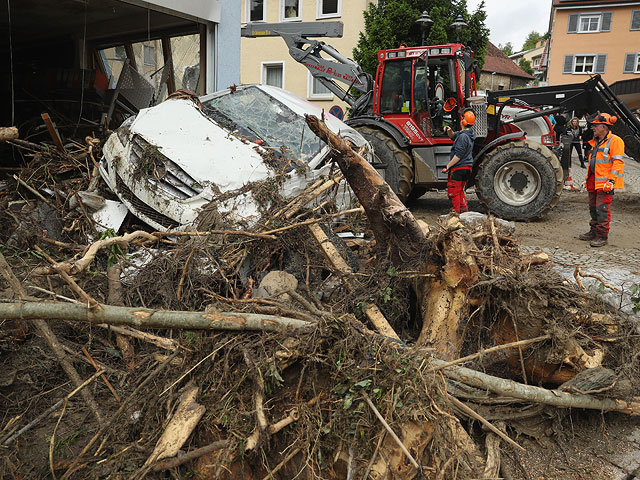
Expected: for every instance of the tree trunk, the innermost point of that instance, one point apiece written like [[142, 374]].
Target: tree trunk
[[397, 232], [148, 318]]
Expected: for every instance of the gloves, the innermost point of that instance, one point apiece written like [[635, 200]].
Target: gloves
[[608, 187]]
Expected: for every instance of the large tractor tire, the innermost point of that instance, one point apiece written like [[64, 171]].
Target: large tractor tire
[[519, 180], [399, 171]]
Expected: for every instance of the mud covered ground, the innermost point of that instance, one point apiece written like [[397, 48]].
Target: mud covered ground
[[590, 446]]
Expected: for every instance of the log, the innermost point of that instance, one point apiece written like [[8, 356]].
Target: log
[[148, 318], [397, 232], [8, 133], [373, 313], [530, 393], [182, 423]]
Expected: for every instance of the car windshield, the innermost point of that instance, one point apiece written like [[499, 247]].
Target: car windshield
[[257, 115]]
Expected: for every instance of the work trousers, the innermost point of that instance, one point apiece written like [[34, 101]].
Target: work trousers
[[599, 203], [458, 178]]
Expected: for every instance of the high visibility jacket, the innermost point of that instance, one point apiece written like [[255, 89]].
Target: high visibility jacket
[[606, 161]]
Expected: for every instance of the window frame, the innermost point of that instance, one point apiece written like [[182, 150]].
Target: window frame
[[585, 55], [316, 96], [538, 60], [320, 15], [589, 15], [263, 71], [247, 12], [290, 19], [633, 14]]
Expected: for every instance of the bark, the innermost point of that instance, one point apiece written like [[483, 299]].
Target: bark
[[443, 297], [397, 232], [148, 318], [534, 394]]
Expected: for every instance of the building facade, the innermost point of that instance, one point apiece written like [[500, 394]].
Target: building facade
[[499, 72], [266, 60], [594, 36], [536, 57]]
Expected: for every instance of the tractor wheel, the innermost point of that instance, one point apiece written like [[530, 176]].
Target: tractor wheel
[[519, 180], [399, 171]]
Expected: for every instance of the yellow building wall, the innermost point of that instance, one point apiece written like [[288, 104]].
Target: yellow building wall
[[257, 51], [616, 43]]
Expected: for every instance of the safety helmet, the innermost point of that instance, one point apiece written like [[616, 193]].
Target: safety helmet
[[468, 118], [449, 104], [604, 119]]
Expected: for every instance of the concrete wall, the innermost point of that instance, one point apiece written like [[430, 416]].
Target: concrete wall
[[228, 45], [508, 82], [257, 51], [615, 44]]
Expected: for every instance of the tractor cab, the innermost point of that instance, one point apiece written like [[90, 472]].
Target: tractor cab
[[421, 90]]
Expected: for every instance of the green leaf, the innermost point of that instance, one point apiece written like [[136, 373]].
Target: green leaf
[[348, 401], [113, 352], [362, 384]]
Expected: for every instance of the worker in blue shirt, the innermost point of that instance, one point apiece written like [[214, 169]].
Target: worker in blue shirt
[[461, 161]]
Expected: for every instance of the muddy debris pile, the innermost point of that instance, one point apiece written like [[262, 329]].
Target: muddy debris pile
[[316, 343]]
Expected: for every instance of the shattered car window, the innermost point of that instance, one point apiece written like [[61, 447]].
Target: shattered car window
[[254, 113]]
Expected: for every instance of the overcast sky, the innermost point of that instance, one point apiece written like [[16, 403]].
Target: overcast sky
[[512, 20]]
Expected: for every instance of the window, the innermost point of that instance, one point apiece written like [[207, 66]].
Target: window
[[632, 63], [635, 20], [329, 8], [273, 74], [290, 10], [585, 63], [589, 22], [256, 11], [317, 90], [148, 55], [536, 61]]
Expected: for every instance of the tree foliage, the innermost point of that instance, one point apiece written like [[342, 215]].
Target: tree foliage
[[507, 48], [391, 23], [526, 66], [531, 40]]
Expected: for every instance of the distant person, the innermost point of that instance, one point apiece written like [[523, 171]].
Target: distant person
[[560, 126], [461, 161], [587, 136], [575, 130], [604, 175]]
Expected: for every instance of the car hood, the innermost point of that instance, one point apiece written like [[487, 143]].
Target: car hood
[[204, 150]]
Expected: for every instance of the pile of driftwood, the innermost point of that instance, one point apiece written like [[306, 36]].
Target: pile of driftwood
[[190, 364]]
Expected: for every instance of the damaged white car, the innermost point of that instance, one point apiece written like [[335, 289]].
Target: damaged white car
[[174, 161]]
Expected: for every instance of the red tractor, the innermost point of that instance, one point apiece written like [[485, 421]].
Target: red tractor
[[418, 91]]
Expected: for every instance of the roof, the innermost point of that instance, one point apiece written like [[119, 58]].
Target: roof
[[496, 61], [588, 3]]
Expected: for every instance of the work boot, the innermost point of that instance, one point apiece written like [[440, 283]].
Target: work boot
[[598, 242], [590, 235]]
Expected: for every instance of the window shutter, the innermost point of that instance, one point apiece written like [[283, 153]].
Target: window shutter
[[629, 63], [635, 20], [601, 63], [605, 24], [573, 23], [568, 64]]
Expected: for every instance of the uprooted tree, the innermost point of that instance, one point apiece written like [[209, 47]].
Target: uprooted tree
[[295, 385]]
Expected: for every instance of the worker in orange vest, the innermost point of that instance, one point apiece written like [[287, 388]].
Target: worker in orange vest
[[605, 173]]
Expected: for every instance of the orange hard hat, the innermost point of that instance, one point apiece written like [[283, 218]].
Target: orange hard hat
[[449, 104], [468, 118], [604, 119]]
